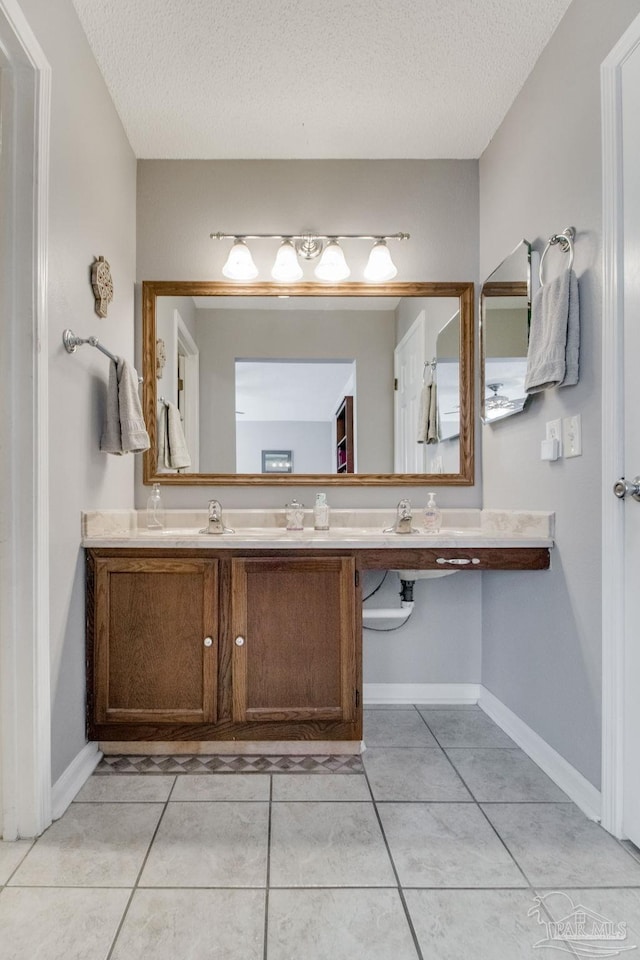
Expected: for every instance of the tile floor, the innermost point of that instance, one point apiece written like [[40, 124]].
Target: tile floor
[[451, 844]]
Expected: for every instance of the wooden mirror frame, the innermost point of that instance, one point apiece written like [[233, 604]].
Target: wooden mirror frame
[[151, 289]]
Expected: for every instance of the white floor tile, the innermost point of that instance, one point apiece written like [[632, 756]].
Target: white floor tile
[[222, 786], [412, 774], [508, 776], [57, 924], [557, 846], [396, 728], [446, 845], [300, 786], [11, 854], [129, 788], [338, 925], [209, 845], [193, 925], [92, 845], [328, 844]]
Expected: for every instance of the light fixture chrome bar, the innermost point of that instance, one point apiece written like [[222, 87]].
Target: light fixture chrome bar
[[308, 236]]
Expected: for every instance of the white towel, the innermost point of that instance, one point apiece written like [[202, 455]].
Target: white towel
[[428, 414], [554, 338], [124, 428], [172, 446]]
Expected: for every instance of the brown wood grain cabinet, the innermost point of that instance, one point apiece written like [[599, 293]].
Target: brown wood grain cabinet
[[293, 622], [156, 640], [222, 647]]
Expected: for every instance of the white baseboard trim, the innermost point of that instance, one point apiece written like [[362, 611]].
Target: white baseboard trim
[[421, 693], [563, 774], [74, 777]]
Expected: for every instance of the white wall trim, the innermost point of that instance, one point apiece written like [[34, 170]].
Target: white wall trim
[[25, 714], [421, 693], [563, 774], [613, 567], [73, 778]]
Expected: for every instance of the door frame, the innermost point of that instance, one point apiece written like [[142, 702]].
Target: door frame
[[613, 565], [25, 710]]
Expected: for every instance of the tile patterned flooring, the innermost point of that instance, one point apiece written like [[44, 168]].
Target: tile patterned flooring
[[450, 844]]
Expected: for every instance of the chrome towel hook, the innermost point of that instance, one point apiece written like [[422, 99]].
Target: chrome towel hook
[[565, 241]]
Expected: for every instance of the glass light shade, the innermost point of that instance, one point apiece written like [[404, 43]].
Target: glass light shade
[[287, 267], [240, 265], [380, 266], [332, 266]]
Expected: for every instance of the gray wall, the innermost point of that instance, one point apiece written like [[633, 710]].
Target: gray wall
[[364, 336], [91, 211], [540, 174], [308, 440], [181, 202]]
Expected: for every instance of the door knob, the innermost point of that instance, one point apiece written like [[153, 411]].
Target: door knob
[[239, 641], [625, 488], [208, 641]]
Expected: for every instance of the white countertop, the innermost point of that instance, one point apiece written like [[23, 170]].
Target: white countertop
[[350, 529]]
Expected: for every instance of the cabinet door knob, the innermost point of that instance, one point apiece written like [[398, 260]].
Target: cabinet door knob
[[208, 641], [239, 641]]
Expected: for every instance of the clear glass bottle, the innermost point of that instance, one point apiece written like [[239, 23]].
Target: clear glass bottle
[[155, 510], [294, 513], [432, 515], [321, 512]]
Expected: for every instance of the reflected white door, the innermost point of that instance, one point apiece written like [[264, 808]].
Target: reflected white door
[[630, 76], [408, 363]]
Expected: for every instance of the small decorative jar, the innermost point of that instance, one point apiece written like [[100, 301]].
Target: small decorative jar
[[294, 513]]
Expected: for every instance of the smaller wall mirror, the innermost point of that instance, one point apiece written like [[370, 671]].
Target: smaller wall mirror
[[505, 318]]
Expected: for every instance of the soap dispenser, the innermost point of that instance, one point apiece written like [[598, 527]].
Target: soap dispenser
[[155, 511], [321, 512], [432, 515]]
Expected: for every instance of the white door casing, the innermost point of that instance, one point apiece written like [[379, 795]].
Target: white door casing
[[25, 714], [620, 78], [408, 364]]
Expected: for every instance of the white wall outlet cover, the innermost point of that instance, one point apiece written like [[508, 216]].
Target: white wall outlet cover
[[549, 449], [554, 432], [572, 435]]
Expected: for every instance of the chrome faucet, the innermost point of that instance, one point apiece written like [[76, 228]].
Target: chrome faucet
[[215, 523], [403, 519]]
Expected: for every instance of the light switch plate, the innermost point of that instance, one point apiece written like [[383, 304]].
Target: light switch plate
[[572, 436], [554, 432]]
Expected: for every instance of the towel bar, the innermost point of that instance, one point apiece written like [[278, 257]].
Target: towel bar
[[565, 241], [71, 343]]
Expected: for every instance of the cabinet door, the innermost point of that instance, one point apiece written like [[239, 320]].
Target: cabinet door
[[294, 639], [156, 646]]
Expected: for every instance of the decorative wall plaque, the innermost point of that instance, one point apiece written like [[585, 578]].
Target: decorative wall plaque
[[102, 285]]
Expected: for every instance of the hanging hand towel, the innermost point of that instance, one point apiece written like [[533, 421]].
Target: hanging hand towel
[[172, 446], [572, 353], [124, 429], [177, 453], [555, 334], [428, 414]]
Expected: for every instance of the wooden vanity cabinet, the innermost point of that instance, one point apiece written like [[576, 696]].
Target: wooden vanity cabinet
[[219, 646], [155, 640], [293, 624]]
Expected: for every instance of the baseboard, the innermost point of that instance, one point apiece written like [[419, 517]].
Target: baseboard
[[421, 693], [563, 774], [74, 777]]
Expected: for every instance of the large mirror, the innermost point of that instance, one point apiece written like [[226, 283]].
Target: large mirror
[[305, 384], [505, 318]]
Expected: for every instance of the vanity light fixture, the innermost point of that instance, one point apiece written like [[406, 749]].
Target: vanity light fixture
[[240, 265], [380, 266], [332, 266]]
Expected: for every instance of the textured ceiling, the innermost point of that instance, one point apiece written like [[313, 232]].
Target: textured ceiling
[[272, 79]]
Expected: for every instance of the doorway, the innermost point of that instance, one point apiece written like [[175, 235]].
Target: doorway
[[25, 716], [620, 78]]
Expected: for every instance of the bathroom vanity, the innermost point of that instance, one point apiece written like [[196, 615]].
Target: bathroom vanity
[[256, 635]]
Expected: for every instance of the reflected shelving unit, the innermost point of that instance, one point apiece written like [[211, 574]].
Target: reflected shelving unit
[[344, 436]]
